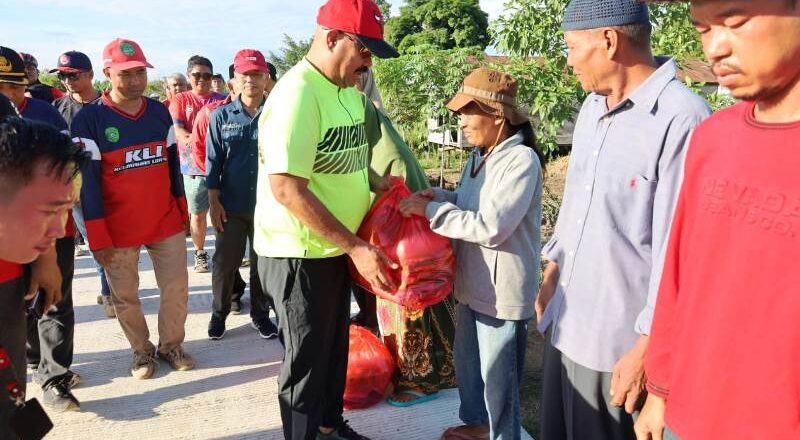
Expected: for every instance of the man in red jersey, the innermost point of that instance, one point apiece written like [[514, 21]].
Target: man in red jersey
[[724, 355], [184, 108], [133, 198]]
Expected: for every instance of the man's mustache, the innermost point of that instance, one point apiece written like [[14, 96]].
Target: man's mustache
[[726, 66]]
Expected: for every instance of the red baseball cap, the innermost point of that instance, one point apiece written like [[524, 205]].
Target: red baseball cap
[[122, 54], [247, 60], [360, 17]]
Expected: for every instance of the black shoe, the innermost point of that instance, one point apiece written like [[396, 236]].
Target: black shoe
[[239, 285], [58, 397], [216, 328], [73, 379], [201, 262], [236, 307], [266, 329], [343, 432]]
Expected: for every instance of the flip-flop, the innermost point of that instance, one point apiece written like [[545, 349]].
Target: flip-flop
[[419, 398]]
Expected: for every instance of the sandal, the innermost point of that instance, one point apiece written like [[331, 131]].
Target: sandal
[[418, 398], [458, 433]]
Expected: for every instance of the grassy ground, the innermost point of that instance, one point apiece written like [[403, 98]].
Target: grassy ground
[[554, 188]]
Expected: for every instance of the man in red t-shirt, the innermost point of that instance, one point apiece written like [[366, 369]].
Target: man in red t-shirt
[[184, 108], [724, 354], [38, 166]]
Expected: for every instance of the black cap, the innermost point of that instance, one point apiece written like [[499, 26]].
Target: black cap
[[73, 62], [273, 73], [12, 68]]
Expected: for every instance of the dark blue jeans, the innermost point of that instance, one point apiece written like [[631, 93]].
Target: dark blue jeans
[[489, 358]]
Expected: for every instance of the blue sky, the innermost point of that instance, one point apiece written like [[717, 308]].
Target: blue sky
[[169, 32]]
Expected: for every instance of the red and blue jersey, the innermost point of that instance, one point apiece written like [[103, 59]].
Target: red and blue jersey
[[38, 110], [9, 271], [132, 191]]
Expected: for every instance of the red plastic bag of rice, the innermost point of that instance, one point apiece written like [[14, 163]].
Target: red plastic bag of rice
[[369, 369], [426, 260]]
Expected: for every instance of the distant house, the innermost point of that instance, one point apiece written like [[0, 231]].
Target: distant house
[[697, 71]]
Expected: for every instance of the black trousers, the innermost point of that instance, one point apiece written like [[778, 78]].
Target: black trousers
[[574, 401], [312, 299], [228, 253], [12, 338], [51, 338], [367, 306]]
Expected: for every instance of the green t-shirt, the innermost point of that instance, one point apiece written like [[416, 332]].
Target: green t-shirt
[[313, 129]]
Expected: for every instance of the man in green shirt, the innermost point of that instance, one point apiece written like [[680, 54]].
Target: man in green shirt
[[313, 192]]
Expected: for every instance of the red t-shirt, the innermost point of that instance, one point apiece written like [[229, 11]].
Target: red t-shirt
[[9, 271], [184, 108], [725, 343], [200, 132]]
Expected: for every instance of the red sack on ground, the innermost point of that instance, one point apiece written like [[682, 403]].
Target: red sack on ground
[[369, 369], [426, 260]]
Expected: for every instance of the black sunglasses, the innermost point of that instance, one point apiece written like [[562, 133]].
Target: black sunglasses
[[361, 47], [205, 76], [71, 76]]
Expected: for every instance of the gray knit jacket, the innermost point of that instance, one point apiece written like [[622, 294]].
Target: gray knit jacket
[[494, 220]]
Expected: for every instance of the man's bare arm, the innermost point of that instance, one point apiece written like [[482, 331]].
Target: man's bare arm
[[293, 193]]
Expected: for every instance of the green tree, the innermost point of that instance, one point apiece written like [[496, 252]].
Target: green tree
[[50, 79], [438, 24], [385, 7], [102, 85], [289, 54], [673, 33], [531, 28], [155, 87], [416, 86], [530, 32]]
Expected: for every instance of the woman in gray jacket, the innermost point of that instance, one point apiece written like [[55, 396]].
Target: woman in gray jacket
[[494, 219]]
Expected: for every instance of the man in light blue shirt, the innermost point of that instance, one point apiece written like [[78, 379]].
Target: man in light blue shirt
[[607, 248], [232, 171]]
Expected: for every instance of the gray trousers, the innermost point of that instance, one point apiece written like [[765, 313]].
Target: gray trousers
[[575, 402], [229, 250], [12, 338], [51, 338]]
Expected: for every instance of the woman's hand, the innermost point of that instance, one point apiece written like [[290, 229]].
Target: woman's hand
[[416, 204], [650, 424]]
